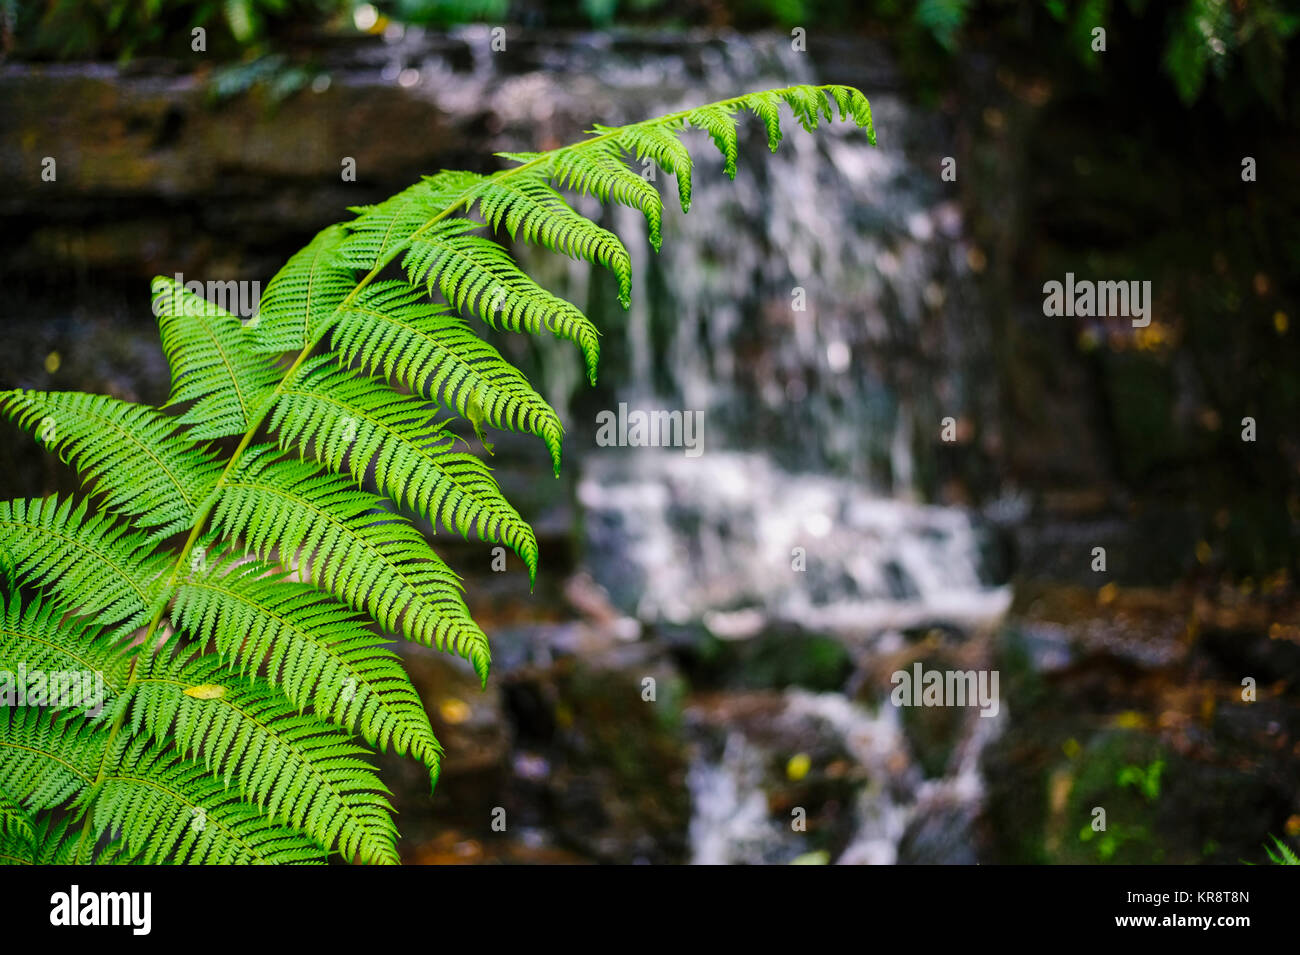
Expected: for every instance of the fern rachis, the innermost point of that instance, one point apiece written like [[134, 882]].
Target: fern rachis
[[245, 671]]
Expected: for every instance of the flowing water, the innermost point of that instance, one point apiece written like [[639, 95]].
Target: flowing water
[[729, 542]]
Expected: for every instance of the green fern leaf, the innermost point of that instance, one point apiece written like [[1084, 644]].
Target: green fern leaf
[[658, 141], [351, 424], [212, 363], [809, 105], [767, 107], [54, 842], [599, 171], [343, 541], [853, 105], [534, 212], [15, 821], [477, 275], [296, 768], [317, 651], [379, 231], [720, 123], [1284, 855], [421, 346], [41, 636], [93, 565], [302, 299], [230, 736], [163, 807], [49, 757], [139, 465]]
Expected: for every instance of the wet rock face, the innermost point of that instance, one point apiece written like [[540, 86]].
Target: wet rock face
[[154, 176], [777, 657], [943, 833], [615, 788]]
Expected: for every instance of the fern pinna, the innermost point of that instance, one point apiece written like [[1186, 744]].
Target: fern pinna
[[230, 576]]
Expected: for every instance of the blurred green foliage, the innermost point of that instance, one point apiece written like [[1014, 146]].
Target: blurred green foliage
[[273, 72], [1203, 40], [1145, 780], [124, 29], [1106, 775], [1281, 853]]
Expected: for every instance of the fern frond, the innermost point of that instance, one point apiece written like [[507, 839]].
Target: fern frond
[[379, 231], [232, 741], [138, 465], [40, 636], [302, 298], [100, 568], [720, 123], [15, 821], [167, 808], [344, 542], [534, 212], [658, 141], [212, 362], [293, 767], [1284, 855], [766, 105], [49, 757], [599, 171], [477, 275], [53, 841], [317, 651], [853, 105], [392, 329], [158, 803], [352, 422], [809, 105]]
